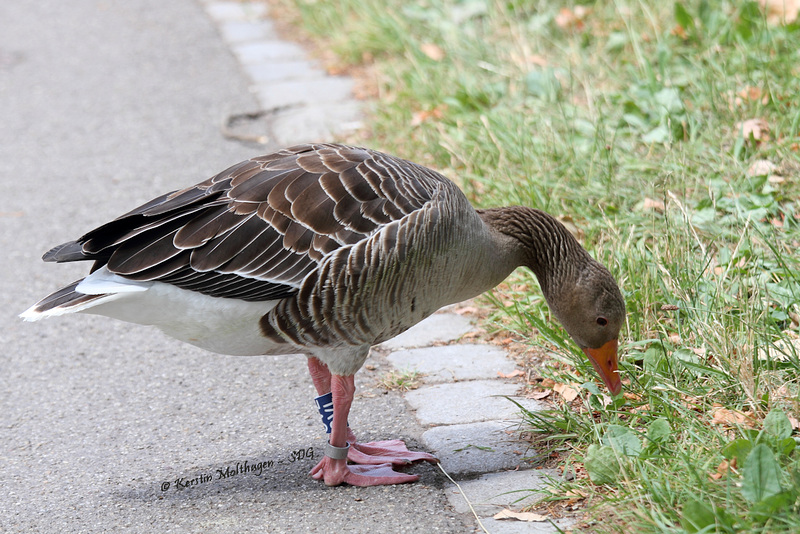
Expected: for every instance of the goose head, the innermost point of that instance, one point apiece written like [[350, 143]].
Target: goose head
[[589, 305], [581, 293]]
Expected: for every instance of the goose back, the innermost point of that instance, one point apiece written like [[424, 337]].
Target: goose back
[[255, 231]]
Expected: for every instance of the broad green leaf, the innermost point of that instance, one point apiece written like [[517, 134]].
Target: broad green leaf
[[777, 424], [748, 19], [601, 464], [659, 134], [682, 16], [696, 516], [634, 120], [739, 449], [654, 359], [592, 388], [761, 474], [623, 440], [658, 430], [768, 506], [670, 99], [786, 446]]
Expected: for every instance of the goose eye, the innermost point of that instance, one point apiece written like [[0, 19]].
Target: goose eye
[[602, 321]]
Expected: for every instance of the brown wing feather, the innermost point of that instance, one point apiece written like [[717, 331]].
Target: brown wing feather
[[257, 229]]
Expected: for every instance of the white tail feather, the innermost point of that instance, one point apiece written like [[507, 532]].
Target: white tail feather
[[32, 314], [103, 281]]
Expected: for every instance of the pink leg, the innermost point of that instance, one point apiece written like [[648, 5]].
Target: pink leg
[[336, 471], [320, 375], [394, 451]]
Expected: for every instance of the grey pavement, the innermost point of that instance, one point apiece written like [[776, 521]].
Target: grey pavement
[[110, 426]]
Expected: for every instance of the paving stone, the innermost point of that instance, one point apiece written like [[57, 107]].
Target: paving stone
[[326, 89], [437, 327], [261, 51], [232, 11], [454, 362], [493, 492], [477, 447], [272, 71], [319, 122], [467, 402], [236, 32], [510, 526]]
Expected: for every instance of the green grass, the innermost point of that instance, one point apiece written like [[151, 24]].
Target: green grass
[[626, 121]]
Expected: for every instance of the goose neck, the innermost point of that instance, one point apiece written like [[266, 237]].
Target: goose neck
[[542, 244]]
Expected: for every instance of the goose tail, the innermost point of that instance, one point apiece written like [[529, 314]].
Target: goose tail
[[65, 300]]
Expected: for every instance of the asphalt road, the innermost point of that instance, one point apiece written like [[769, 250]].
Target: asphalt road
[[106, 426]]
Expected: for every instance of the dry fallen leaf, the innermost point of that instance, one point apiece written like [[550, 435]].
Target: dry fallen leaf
[[651, 204], [576, 494], [512, 374], [680, 32], [421, 116], [761, 167], [748, 94], [539, 395], [724, 467], [569, 393], [753, 94], [571, 19], [757, 128], [433, 51], [780, 11], [519, 516], [795, 423], [724, 416]]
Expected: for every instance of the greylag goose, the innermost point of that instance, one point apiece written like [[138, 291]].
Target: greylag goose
[[326, 250]]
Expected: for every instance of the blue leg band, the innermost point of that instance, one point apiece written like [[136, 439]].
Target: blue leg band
[[325, 406]]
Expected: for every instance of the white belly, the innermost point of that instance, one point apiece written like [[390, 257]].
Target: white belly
[[221, 325]]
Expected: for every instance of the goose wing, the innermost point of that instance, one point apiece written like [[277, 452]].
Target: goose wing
[[257, 229]]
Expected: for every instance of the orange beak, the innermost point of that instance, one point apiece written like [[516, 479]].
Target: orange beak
[[604, 361]]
